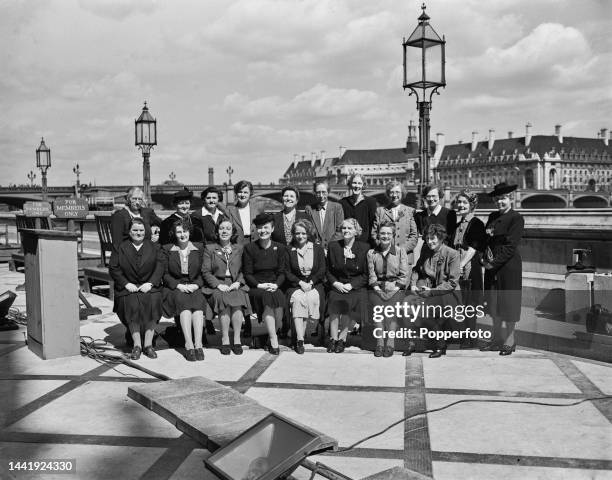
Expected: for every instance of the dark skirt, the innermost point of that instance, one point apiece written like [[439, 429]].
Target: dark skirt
[[139, 311], [503, 290], [175, 302], [220, 301], [353, 303], [260, 299]]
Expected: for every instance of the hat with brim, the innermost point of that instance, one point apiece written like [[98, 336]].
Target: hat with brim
[[181, 195], [502, 189], [263, 218]]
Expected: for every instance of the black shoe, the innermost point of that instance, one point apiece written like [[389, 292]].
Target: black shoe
[[136, 351], [437, 353], [225, 349], [507, 349], [410, 351], [299, 348], [331, 346], [339, 346], [190, 355], [378, 352], [274, 351], [237, 349], [199, 354], [149, 352], [491, 347], [388, 352]]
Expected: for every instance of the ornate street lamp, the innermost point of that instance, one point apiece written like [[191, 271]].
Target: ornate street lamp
[[43, 161], [229, 172], [146, 138], [77, 171], [424, 64], [31, 176]]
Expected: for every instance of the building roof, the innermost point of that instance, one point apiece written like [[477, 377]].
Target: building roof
[[377, 157]]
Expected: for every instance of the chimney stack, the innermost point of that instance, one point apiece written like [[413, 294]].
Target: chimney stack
[[295, 160], [474, 141], [491, 138], [439, 142], [528, 134], [604, 135], [211, 176], [510, 134], [558, 133]]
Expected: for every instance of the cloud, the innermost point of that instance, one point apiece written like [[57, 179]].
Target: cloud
[[118, 9]]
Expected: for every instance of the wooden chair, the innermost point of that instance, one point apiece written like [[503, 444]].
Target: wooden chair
[[103, 225], [100, 273]]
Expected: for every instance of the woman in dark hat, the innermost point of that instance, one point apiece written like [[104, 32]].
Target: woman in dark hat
[[205, 221], [183, 281], [263, 266], [503, 279], [182, 203]]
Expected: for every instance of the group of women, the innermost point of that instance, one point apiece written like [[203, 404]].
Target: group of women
[[335, 260]]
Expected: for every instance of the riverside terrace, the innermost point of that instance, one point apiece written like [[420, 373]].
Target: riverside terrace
[[78, 408]]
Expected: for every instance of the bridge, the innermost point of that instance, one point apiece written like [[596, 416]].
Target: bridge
[[161, 195]]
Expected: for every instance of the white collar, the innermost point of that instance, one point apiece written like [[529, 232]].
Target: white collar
[[190, 247], [436, 210]]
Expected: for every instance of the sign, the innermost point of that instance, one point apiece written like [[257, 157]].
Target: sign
[[71, 208], [37, 209]]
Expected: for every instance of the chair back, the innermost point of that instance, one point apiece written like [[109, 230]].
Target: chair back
[[103, 225], [21, 222]]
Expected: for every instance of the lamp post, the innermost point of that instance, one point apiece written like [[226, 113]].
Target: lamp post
[[146, 138], [77, 171], [424, 65], [43, 161], [31, 176], [229, 172]]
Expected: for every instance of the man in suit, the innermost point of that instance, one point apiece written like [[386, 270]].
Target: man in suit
[[134, 208], [325, 215]]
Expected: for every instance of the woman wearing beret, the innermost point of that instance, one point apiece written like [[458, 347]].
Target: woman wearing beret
[[183, 281], [503, 279], [469, 240], [263, 266], [205, 221], [225, 285], [137, 266], [305, 275], [182, 203], [347, 273]]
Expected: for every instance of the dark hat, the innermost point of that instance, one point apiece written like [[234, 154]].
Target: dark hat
[[263, 218], [184, 194], [502, 189]]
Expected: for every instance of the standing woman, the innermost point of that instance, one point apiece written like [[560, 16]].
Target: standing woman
[[405, 231], [182, 282], [135, 207], [360, 207], [284, 220], [503, 269], [435, 213], [347, 273], [205, 221], [389, 275], [182, 203], [469, 240], [243, 213], [137, 267], [263, 266], [305, 275], [228, 298]]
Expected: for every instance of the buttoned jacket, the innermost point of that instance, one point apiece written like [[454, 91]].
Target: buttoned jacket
[[172, 272], [330, 230], [406, 234], [447, 270], [215, 265]]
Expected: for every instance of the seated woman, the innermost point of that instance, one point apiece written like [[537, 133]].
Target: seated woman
[[225, 286], [137, 266], [263, 266], [435, 279], [389, 275], [305, 275], [347, 273], [182, 282]]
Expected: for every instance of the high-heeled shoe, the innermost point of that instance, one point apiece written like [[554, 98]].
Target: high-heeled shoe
[[410, 351], [331, 346], [299, 347], [190, 355], [136, 351], [339, 346], [507, 349], [199, 354], [378, 352], [149, 351], [388, 351], [491, 347], [437, 353]]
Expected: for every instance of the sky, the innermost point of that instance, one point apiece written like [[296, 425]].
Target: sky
[[250, 83]]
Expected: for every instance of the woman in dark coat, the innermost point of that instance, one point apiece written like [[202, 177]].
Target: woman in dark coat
[[363, 209], [434, 212], [347, 273], [225, 285], [469, 240], [205, 221], [435, 279], [134, 208], [263, 266], [305, 275], [284, 220], [183, 281], [137, 267], [182, 203], [503, 280]]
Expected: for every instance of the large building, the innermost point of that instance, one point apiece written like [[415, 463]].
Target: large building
[[540, 162]]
